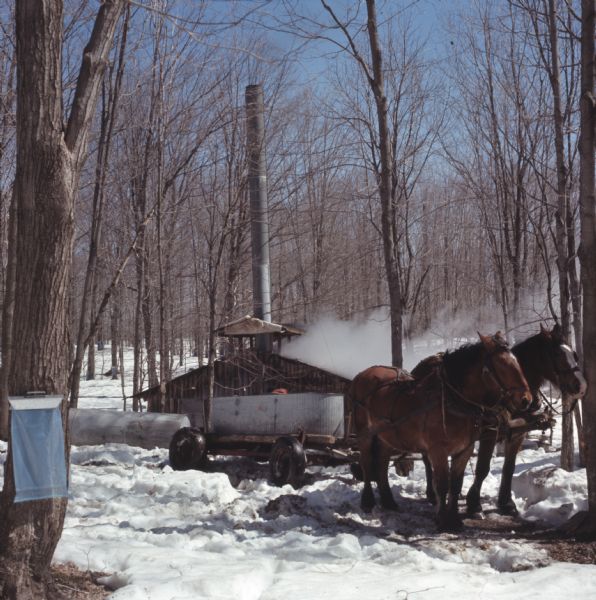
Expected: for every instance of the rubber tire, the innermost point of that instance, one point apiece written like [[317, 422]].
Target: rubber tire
[[188, 449], [287, 462]]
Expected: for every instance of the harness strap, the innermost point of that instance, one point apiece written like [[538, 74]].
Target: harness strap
[[559, 412], [497, 410], [389, 423], [506, 392]]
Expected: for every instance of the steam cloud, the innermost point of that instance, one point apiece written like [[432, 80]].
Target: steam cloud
[[348, 347]]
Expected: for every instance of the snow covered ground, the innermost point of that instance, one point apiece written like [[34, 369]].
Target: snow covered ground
[[229, 534]]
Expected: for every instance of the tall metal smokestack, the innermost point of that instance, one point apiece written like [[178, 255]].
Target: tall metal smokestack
[[257, 183]]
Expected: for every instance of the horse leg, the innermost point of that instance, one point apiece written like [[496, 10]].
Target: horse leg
[[430, 490], [456, 480], [365, 445], [440, 471], [485, 453], [383, 455], [505, 503]]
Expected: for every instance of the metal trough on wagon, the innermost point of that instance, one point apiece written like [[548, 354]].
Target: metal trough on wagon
[[310, 423], [289, 430]]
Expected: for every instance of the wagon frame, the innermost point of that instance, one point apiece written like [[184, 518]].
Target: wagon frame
[[244, 372]]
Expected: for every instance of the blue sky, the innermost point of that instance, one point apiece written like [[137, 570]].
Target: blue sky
[[312, 59]]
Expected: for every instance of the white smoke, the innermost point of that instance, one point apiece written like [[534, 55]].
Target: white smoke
[[348, 347], [343, 347]]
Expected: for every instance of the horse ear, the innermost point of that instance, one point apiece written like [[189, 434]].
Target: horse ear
[[544, 330], [500, 339], [557, 333], [487, 341]]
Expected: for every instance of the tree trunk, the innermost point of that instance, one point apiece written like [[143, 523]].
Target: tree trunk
[[588, 244], [91, 361], [147, 309], [137, 342], [48, 163], [90, 285], [7, 320], [115, 332], [384, 183], [567, 449]]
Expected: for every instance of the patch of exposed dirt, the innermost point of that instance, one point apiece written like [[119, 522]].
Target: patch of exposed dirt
[[558, 543], [73, 584], [570, 550]]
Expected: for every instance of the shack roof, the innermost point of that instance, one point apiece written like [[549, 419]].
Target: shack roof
[[249, 371], [248, 325]]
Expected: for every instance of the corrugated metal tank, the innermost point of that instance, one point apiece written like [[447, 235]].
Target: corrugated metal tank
[[273, 414], [95, 426]]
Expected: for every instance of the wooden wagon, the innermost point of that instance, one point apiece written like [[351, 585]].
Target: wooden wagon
[[264, 406]]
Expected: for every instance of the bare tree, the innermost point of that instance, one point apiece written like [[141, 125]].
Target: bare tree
[[110, 97], [49, 161], [7, 99], [588, 245], [372, 65], [550, 43]]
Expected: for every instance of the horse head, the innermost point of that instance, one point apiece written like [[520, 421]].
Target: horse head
[[560, 363], [501, 372]]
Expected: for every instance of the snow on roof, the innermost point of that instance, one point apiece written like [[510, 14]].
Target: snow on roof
[[248, 325]]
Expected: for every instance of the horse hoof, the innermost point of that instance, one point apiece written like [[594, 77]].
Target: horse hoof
[[474, 510], [367, 504], [508, 509], [450, 524], [390, 506]]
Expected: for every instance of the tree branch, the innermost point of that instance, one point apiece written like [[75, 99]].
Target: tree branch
[[94, 60]]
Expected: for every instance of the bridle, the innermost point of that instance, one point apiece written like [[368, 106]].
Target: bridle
[[568, 370], [506, 394]]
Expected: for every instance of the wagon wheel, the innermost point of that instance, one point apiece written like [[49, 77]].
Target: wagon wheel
[[287, 461], [188, 449]]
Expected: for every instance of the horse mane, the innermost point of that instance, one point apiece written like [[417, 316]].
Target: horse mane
[[530, 353], [532, 344], [459, 361]]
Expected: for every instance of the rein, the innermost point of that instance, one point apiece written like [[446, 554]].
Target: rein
[[554, 409], [506, 393], [497, 410]]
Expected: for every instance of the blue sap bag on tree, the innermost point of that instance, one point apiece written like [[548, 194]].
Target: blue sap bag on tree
[[38, 457]]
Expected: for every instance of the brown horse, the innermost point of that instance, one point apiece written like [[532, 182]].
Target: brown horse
[[542, 357], [438, 413]]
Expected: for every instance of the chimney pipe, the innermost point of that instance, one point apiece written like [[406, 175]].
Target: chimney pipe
[[257, 184]]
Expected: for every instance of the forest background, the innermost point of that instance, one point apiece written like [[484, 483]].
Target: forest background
[[483, 121], [468, 221], [423, 161]]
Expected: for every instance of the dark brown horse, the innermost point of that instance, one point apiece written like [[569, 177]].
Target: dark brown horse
[[438, 414], [542, 357]]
